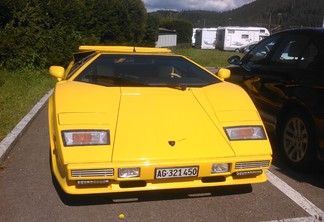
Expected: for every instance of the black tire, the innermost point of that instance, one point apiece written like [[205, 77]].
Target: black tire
[[296, 140]]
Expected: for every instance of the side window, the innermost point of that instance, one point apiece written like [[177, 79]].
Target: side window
[[295, 51], [262, 50], [78, 61], [309, 55]]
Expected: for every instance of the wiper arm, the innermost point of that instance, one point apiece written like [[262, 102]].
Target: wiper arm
[[178, 86], [181, 87]]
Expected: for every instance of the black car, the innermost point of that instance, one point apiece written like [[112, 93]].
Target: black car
[[248, 47], [284, 75]]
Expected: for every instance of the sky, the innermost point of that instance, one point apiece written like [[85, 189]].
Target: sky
[[179, 5]]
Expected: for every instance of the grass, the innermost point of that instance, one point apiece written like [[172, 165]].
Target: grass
[[21, 90], [207, 57]]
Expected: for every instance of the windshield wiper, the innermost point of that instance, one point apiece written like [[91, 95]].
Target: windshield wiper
[[179, 86]]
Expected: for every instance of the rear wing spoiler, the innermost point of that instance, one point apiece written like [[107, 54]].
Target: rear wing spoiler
[[123, 49]]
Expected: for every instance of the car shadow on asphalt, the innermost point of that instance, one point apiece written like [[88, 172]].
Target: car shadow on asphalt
[[147, 196], [313, 175]]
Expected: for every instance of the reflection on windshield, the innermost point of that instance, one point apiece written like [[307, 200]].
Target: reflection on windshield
[[145, 70]]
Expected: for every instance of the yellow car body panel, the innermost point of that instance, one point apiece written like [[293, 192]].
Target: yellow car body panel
[[149, 127], [123, 49], [82, 111], [154, 130]]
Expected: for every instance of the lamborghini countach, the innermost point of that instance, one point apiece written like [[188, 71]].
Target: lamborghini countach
[[125, 119]]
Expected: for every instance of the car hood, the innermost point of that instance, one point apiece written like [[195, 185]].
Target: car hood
[[148, 123], [166, 123]]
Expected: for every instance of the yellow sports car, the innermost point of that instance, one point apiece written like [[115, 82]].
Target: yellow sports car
[[127, 119]]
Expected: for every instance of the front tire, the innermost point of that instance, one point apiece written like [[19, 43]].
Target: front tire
[[297, 141]]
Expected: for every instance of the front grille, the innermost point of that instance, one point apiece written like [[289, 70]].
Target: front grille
[[252, 164], [92, 173]]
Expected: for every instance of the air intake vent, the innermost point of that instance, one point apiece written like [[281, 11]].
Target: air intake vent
[[92, 173], [252, 164]]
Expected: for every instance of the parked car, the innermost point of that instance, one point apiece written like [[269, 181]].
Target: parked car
[[127, 119], [284, 75]]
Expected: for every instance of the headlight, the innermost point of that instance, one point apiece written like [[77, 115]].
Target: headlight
[[128, 172], [245, 133], [85, 137]]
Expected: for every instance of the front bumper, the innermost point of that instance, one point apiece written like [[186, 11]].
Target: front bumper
[[103, 177]]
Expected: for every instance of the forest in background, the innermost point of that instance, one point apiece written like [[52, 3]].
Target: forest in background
[[37, 33], [275, 15]]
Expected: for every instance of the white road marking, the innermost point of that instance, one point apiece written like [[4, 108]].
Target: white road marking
[[299, 219], [316, 213]]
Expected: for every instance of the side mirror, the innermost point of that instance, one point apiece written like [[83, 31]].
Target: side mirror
[[57, 71], [235, 60], [224, 73]]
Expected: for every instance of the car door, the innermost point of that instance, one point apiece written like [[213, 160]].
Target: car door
[[288, 78]]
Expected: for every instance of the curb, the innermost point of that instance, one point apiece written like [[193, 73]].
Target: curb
[[7, 143]]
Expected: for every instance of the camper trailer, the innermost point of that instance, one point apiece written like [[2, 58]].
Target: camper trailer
[[205, 38], [231, 38], [193, 38]]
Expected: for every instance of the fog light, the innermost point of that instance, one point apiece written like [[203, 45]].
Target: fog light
[[220, 168], [128, 172], [92, 182]]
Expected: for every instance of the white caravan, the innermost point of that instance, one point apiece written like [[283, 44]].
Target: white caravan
[[205, 38], [193, 38], [231, 38]]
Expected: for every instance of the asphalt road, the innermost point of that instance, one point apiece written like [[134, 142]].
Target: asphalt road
[[27, 193]]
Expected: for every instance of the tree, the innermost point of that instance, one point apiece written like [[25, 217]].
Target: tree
[[151, 30], [125, 25], [37, 33], [23, 38]]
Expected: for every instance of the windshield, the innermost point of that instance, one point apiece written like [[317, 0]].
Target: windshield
[[145, 70]]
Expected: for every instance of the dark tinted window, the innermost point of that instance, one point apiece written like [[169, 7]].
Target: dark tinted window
[[261, 50], [79, 60], [293, 51], [310, 56], [149, 70]]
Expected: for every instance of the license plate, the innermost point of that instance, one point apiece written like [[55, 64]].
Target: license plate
[[176, 172]]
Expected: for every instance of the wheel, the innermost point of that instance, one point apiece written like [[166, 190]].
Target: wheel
[[297, 141]]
